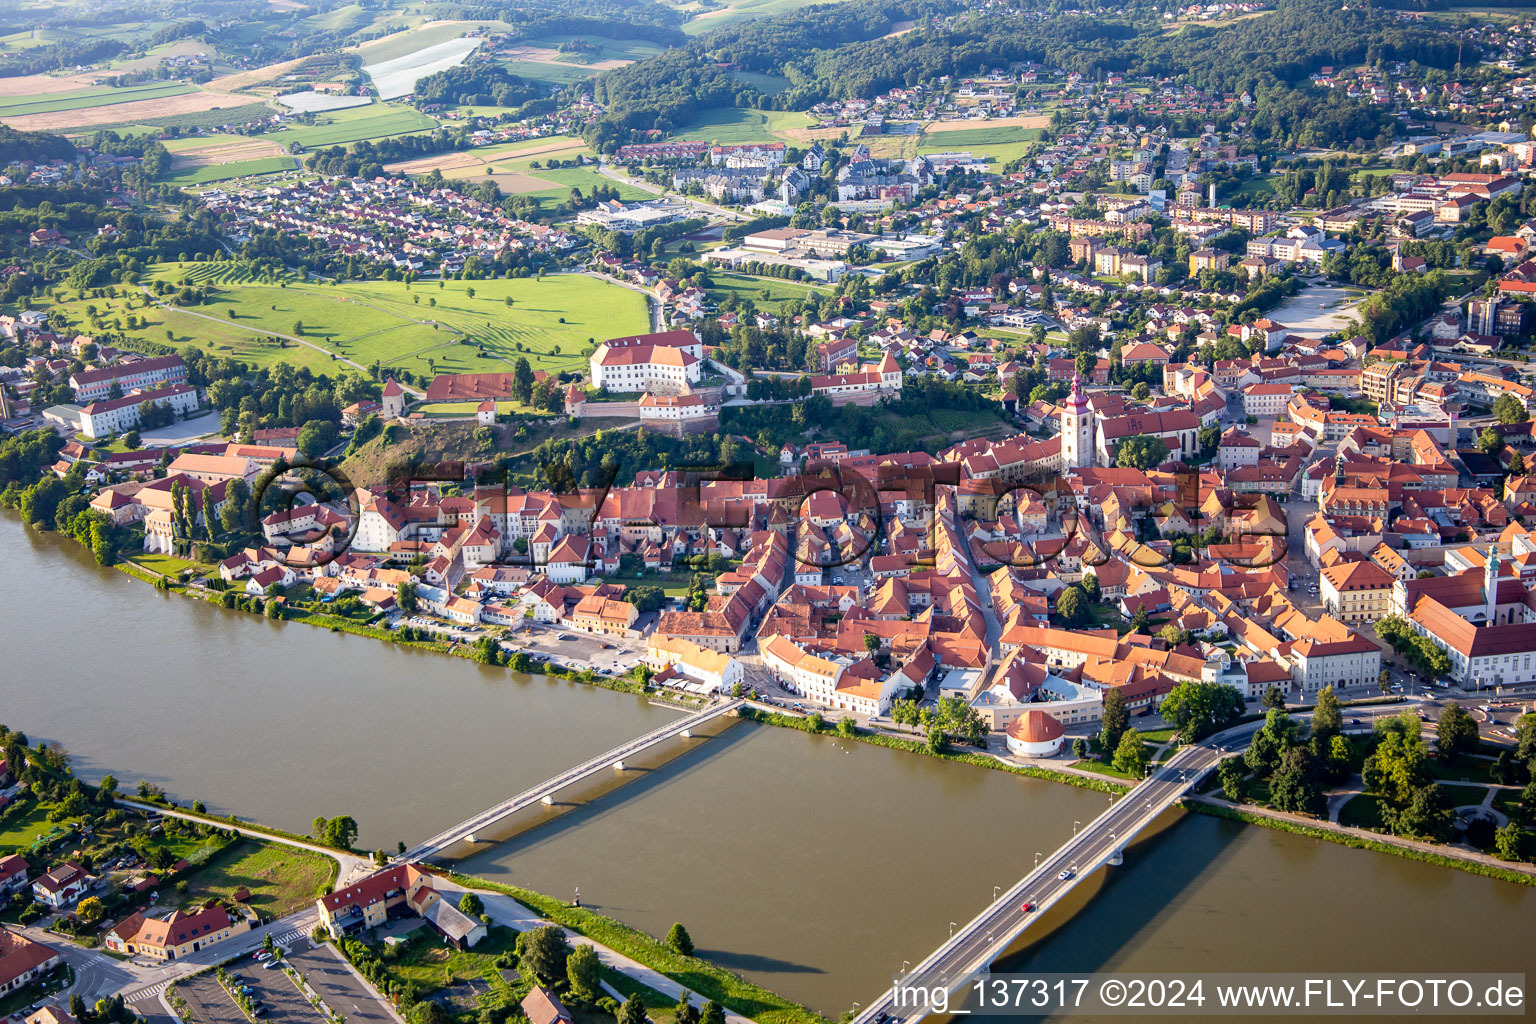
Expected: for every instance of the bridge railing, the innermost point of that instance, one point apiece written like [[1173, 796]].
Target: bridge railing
[[452, 835]]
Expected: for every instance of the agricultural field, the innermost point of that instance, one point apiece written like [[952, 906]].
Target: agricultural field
[[354, 124], [202, 159], [735, 11], [551, 72], [419, 327], [729, 125], [419, 36], [398, 76], [204, 174], [194, 120], [81, 99], [503, 158], [92, 108]]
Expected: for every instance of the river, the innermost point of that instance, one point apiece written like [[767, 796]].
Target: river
[[812, 865], [274, 721]]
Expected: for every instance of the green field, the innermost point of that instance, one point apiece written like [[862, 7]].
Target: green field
[[18, 831], [378, 320], [768, 85], [281, 879], [404, 43], [973, 138], [740, 10], [80, 99], [738, 124], [196, 120], [604, 48], [554, 74], [354, 124], [748, 287], [584, 178], [238, 169]]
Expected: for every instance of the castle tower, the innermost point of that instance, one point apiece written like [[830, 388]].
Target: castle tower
[[1076, 429], [392, 403]]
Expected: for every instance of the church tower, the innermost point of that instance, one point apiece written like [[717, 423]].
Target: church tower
[[1076, 429], [1491, 585]]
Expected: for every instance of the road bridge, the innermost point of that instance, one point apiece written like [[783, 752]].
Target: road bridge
[[545, 791], [971, 950]]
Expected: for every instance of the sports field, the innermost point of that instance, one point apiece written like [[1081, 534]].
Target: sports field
[[421, 327]]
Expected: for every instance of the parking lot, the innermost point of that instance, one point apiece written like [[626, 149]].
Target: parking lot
[[277, 991], [342, 990], [606, 654], [209, 1002]]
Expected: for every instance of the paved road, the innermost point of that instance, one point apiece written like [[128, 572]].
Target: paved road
[[978, 942], [656, 190], [343, 991]]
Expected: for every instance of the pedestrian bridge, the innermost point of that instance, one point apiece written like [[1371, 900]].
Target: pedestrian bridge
[[970, 951], [544, 792]]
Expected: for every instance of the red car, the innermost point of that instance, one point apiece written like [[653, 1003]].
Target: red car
[[1026, 908]]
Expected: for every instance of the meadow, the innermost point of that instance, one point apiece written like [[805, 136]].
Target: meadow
[[729, 125], [746, 286], [422, 327], [224, 172], [354, 124]]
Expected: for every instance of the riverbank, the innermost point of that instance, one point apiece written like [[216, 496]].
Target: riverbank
[[1440, 855], [698, 976], [803, 723]]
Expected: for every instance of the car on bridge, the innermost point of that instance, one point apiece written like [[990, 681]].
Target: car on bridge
[[1026, 908], [1066, 874]]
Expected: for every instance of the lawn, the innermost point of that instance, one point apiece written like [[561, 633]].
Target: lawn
[[80, 99], [1461, 796], [17, 831], [238, 169], [554, 74], [354, 124], [1363, 811], [281, 879], [550, 320], [509, 407], [1463, 769], [1256, 188], [746, 286], [168, 565]]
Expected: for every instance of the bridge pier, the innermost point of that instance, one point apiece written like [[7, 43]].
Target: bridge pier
[[618, 766], [687, 734], [471, 838], [547, 800], [1117, 859]]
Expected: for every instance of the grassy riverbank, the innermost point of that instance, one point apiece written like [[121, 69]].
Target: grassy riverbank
[[805, 724], [729, 990], [1471, 867]]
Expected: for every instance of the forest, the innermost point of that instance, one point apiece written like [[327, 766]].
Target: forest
[[844, 51]]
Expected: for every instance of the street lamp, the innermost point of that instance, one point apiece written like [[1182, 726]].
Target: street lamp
[[951, 929], [904, 965], [1075, 826], [995, 888], [1037, 858]]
